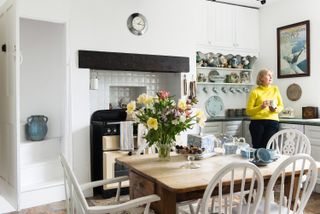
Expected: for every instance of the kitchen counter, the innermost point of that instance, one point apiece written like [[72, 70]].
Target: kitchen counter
[[313, 122]]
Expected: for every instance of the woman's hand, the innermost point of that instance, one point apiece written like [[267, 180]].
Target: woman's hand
[[272, 109], [265, 104]]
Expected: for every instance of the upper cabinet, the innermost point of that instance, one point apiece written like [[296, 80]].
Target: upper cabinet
[[247, 29], [228, 28]]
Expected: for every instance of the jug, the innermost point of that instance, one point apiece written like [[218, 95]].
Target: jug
[[36, 127]]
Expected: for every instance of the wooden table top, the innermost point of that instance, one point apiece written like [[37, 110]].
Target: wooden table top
[[175, 178]]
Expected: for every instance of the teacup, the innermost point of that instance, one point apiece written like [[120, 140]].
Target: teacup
[[262, 155], [247, 152], [273, 153], [230, 148]]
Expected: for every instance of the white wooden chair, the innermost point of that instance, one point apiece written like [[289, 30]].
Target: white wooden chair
[[295, 202], [232, 203], [290, 142], [76, 202]]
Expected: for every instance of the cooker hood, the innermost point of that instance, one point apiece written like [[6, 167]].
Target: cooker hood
[[100, 60]]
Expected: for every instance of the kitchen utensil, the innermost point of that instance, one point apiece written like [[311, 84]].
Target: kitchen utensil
[[231, 113], [185, 85], [238, 112]]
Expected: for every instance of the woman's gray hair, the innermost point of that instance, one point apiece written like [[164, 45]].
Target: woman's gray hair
[[262, 73]]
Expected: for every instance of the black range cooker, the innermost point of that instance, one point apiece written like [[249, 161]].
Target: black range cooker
[[105, 136]]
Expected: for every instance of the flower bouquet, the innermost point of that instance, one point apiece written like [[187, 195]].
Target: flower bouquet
[[164, 119]]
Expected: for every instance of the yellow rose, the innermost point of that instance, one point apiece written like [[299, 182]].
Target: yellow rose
[[148, 100], [141, 99], [131, 107], [182, 104], [152, 123]]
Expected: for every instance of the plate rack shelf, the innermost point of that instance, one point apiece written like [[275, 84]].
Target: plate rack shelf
[[228, 76]]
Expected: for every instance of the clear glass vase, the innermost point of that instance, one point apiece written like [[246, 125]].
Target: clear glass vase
[[164, 151]]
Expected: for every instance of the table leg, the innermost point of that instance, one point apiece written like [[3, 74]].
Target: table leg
[[167, 204]]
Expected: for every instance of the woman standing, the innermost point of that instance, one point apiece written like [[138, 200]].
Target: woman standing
[[263, 107]]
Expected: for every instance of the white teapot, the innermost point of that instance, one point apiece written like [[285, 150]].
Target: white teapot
[[241, 142]]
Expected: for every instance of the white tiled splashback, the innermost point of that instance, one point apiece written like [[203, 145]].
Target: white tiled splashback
[[114, 85]]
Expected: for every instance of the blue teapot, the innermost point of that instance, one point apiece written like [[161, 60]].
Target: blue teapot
[[36, 127]]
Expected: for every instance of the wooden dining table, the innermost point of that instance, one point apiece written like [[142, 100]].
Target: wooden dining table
[[175, 183]]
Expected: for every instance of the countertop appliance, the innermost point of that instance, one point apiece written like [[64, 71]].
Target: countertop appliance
[[105, 147]]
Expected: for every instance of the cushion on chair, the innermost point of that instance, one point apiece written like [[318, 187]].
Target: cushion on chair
[[111, 201], [274, 208]]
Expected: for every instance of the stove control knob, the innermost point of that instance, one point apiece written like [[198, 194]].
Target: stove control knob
[[108, 131], [114, 131]]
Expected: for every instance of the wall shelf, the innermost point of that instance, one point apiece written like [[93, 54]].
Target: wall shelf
[[225, 84], [224, 69]]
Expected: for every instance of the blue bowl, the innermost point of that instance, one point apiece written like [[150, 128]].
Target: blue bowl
[[263, 155]]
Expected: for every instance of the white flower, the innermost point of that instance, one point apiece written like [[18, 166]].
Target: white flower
[[183, 118]]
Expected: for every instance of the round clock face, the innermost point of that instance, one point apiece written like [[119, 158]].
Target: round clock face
[[137, 24]]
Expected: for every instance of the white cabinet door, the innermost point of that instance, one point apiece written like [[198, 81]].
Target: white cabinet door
[[228, 27], [9, 125], [212, 128], [223, 22], [292, 126], [247, 29], [233, 128], [313, 133], [203, 22]]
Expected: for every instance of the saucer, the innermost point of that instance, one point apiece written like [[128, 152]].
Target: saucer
[[260, 163]]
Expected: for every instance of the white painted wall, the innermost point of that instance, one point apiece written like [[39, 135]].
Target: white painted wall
[[42, 82], [101, 25], [283, 13]]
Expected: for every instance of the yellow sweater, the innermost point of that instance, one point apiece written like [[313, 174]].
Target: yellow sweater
[[256, 98]]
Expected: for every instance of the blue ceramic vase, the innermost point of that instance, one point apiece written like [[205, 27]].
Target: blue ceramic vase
[[36, 127]]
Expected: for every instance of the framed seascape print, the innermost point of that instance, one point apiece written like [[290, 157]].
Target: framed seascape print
[[293, 47]]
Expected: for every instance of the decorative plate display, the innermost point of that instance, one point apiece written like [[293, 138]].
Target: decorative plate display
[[214, 106], [212, 75], [294, 92]]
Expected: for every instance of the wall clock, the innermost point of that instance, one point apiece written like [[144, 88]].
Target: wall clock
[[137, 24]]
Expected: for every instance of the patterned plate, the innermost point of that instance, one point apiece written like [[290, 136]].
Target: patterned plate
[[294, 92], [214, 106]]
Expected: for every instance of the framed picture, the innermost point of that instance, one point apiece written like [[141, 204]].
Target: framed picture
[[293, 47]]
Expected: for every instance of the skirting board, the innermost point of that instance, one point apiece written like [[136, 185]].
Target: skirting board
[[8, 193], [42, 196]]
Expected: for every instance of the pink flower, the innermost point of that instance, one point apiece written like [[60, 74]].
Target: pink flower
[[163, 94]]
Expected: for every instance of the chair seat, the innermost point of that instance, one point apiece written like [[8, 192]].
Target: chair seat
[[274, 209], [111, 201]]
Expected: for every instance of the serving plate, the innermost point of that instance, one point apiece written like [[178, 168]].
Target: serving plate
[[214, 106]]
